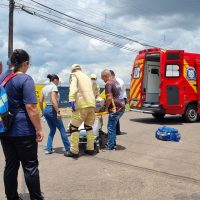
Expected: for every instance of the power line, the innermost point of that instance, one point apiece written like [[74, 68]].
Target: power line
[[51, 14], [136, 40], [94, 26], [80, 23], [88, 12], [134, 31], [79, 31]]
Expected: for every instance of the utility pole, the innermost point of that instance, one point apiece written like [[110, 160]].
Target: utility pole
[[10, 27]]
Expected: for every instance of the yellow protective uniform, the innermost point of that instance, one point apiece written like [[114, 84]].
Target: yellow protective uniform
[[86, 115], [81, 92]]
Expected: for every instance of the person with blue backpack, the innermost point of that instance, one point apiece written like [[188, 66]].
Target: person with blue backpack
[[20, 140]]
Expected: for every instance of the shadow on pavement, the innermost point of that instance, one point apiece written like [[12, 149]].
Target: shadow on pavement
[[59, 150], [120, 147], [166, 121], [122, 133]]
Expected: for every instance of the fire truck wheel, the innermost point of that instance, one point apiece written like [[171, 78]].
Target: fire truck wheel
[[158, 116], [191, 113]]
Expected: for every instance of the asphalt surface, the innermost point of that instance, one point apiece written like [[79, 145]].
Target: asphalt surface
[[142, 167]]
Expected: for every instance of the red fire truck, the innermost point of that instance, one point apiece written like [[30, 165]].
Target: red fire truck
[[166, 82]]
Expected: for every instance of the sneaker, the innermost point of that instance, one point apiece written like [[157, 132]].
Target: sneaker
[[90, 152], [109, 149], [70, 154], [49, 152]]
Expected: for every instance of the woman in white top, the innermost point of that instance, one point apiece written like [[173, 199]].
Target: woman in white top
[[52, 113]]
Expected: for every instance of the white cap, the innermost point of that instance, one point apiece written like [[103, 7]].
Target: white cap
[[75, 66], [93, 76]]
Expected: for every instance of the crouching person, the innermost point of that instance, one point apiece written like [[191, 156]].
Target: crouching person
[[82, 101]]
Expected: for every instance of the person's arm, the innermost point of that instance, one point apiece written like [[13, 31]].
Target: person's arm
[[35, 119], [54, 97], [72, 91], [41, 103], [73, 88], [108, 100], [108, 89]]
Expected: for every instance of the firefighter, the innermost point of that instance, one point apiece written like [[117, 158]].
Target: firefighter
[[95, 86], [82, 101]]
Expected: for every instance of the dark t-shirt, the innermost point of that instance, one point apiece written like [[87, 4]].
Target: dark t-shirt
[[112, 88], [20, 91]]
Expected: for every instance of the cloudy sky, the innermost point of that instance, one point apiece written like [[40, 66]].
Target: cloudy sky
[[171, 24]]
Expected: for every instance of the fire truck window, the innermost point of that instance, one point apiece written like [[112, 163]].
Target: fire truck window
[[136, 73], [173, 56], [172, 71]]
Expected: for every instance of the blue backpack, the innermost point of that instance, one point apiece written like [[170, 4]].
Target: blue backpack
[[167, 134], [5, 116]]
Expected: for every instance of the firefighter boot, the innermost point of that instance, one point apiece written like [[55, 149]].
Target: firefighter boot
[[90, 143], [90, 152], [70, 154]]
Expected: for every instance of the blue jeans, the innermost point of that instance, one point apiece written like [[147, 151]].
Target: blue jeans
[[113, 118], [51, 117]]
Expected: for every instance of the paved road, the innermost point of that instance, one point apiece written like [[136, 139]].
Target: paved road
[[143, 168]]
